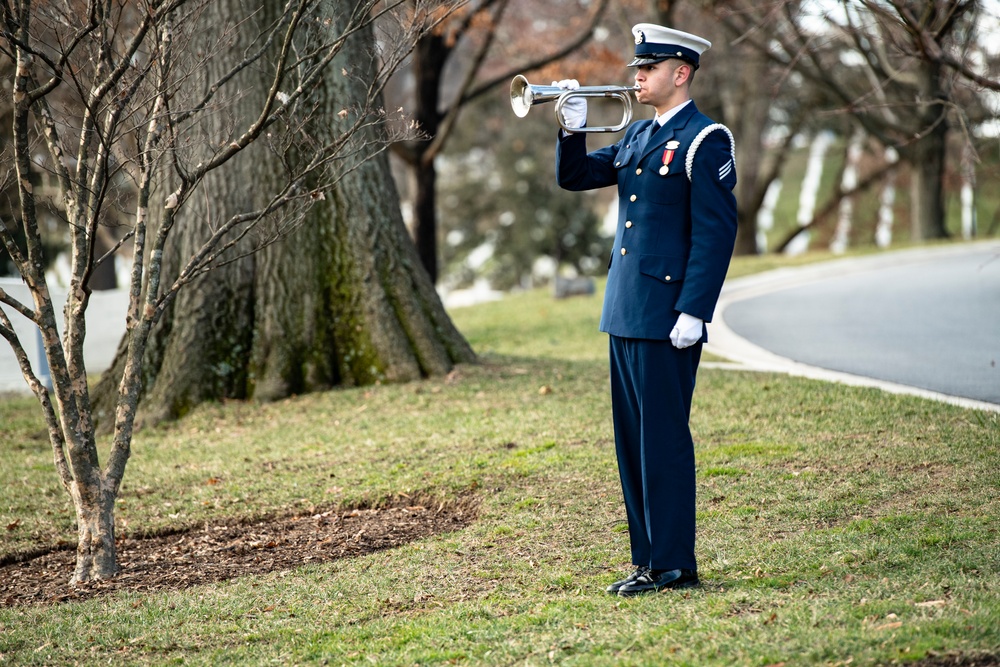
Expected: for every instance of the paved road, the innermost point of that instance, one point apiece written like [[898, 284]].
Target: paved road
[[928, 319], [105, 326]]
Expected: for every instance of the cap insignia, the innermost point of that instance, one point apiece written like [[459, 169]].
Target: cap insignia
[[640, 37]]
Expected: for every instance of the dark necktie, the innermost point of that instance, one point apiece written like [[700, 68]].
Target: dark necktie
[[648, 134]]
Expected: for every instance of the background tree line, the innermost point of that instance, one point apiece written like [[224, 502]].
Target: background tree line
[[910, 86]]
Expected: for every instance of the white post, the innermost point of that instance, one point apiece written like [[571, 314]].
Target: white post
[[968, 193], [883, 230], [848, 182], [810, 190], [765, 216]]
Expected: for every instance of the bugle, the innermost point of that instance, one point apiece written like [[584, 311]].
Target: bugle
[[524, 95]]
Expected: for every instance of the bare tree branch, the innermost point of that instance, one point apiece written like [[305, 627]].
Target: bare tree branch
[[451, 115], [581, 39]]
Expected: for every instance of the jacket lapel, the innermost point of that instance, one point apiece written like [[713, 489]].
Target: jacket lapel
[[666, 133]]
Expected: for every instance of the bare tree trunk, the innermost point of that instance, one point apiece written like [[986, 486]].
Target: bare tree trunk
[[927, 158], [425, 217], [429, 58], [341, 301], [96, 556], [197, 351], [927, 154], [346, 301]]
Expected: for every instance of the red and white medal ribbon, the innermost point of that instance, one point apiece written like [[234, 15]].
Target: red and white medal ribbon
[[668, 156]]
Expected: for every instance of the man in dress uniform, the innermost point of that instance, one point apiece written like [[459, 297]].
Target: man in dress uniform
[[675, 236]]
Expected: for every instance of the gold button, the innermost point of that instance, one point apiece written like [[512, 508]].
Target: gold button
[[632, 198], [623, 251], [628, 224], [638, 171], [667, 279]]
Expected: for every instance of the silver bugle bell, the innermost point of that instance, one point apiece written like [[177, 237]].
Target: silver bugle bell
[[524, 95]]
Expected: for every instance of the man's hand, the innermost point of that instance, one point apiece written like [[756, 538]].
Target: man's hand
[[687, 331], [574, 110]]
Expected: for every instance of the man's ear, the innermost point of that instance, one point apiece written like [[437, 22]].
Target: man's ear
[[682, 73]]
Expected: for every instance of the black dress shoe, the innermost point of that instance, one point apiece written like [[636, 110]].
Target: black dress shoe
[[615, 587], [651, 581]]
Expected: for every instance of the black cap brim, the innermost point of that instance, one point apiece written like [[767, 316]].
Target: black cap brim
[[643, 60]]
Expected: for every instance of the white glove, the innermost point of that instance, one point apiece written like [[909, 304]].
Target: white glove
[[687, 331], [574, 110]]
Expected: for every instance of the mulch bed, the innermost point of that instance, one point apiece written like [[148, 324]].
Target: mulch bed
[[223, 551]]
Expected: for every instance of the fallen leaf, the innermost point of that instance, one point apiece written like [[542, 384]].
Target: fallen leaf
[[932, 603], [544, 390], [890, 626], [13, 524]]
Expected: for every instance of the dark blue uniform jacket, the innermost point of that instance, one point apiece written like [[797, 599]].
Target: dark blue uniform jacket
[[674, 237]]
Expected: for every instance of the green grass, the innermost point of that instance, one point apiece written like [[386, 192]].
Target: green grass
[[837, 525]]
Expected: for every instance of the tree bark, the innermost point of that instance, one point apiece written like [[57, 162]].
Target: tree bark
[[429, 58], [96, 556], [927, 165], [343, 300], [425, 217], [927, 156]]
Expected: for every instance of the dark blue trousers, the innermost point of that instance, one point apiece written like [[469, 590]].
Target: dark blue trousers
[[652, 383]]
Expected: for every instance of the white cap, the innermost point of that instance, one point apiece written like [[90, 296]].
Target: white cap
[[656, 43]]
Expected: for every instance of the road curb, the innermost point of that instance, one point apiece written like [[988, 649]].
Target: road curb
[[747, 356]]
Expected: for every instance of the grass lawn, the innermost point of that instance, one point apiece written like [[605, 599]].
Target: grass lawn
[[837, 525]]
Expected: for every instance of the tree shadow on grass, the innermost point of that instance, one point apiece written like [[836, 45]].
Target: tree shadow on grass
[[218, 552]]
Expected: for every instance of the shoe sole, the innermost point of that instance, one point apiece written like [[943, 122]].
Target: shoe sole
[[623, 592]]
